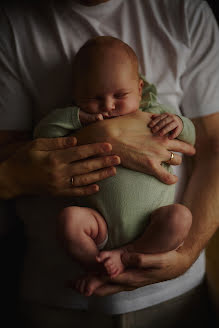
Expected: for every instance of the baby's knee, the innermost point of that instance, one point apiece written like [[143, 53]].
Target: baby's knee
[[69, 219], [180, 217]]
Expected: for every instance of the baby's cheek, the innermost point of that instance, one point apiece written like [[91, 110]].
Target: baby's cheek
[[130, 107], [90, 108]]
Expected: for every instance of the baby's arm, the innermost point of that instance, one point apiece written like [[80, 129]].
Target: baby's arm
[[164, 119], [167, 122], [87, 118], [63, 121], [58, 123]]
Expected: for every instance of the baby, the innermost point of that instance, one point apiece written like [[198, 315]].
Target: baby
[[132, 212]]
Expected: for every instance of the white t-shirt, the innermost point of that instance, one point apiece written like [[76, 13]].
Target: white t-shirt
[[177, 44]]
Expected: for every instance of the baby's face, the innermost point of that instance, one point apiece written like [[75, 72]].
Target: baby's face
[[111, 89]]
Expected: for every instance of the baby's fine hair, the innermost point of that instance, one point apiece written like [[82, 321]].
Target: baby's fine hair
[[100, 44]]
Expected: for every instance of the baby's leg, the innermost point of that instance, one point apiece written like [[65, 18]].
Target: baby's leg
[[167, 230], [81, 229]]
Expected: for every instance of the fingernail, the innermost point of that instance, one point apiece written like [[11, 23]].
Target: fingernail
[[116, 160], [95, 187], [107, 147], [112, 171]]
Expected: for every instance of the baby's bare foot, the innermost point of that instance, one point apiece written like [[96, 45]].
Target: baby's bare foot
[[86, 285], [112, 261]]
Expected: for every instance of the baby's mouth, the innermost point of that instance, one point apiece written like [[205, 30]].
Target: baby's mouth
[[109, 115]]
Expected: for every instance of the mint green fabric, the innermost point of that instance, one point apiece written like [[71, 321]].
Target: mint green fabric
[[149, 104], [127, 199], [58, 123]]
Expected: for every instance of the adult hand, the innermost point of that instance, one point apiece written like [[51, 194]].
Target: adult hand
[[46, 166], [146, 269], [134, 143]]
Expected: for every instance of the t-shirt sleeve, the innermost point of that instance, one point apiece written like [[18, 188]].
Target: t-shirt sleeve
[[58, 123], [15, 102], [200, 81]]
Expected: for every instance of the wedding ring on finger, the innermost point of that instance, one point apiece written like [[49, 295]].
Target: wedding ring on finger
[[72, 181], [171, 158]]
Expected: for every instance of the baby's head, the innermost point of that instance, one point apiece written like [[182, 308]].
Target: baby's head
[[106, 77]]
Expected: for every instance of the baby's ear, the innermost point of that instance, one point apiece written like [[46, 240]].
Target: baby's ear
[[140, 86]]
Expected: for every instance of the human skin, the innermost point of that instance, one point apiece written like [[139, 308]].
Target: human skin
[[129, 142], [103, 93], [201, 197], [43, 166], [101, 90], [39, 167]]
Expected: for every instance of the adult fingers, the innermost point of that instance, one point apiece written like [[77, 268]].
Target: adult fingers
[[85, 185], [163, 175], [176, 160], [47, 144], [81, 152], [86, 179], [90, 165], [80, 191], [180, 146], [110, 289]]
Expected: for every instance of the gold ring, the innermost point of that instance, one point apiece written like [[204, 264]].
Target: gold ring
[[171, 157], [72, 181]]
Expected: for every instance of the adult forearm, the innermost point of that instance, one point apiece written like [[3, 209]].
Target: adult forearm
[[201, 197], [7, 187], [6, 184], [9, 149], [10, 142]]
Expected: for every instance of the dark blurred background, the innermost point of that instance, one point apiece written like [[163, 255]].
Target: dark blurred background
[[214, 6]]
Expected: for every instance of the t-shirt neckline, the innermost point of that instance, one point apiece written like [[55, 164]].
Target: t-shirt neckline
[[99, 8]]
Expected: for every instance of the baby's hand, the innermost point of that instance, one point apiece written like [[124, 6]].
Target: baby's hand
[[87, 118], [166, 123]]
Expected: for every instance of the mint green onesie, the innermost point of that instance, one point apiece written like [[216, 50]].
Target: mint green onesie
[[127, 199]]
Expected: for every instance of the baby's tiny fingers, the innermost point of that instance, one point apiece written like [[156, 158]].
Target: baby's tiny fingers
[[162, 124], [154, 121], [158, 120], [174, 134], [99, 117], [166, 129]]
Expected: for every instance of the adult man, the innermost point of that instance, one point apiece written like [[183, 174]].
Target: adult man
[[36, 51]]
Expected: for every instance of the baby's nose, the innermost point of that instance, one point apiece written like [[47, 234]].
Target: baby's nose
[[108, 105]]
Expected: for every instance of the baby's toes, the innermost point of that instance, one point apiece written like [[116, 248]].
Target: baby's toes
[[113, 270], [92, 284], [103, 256], [110, 266], [114, 273]]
